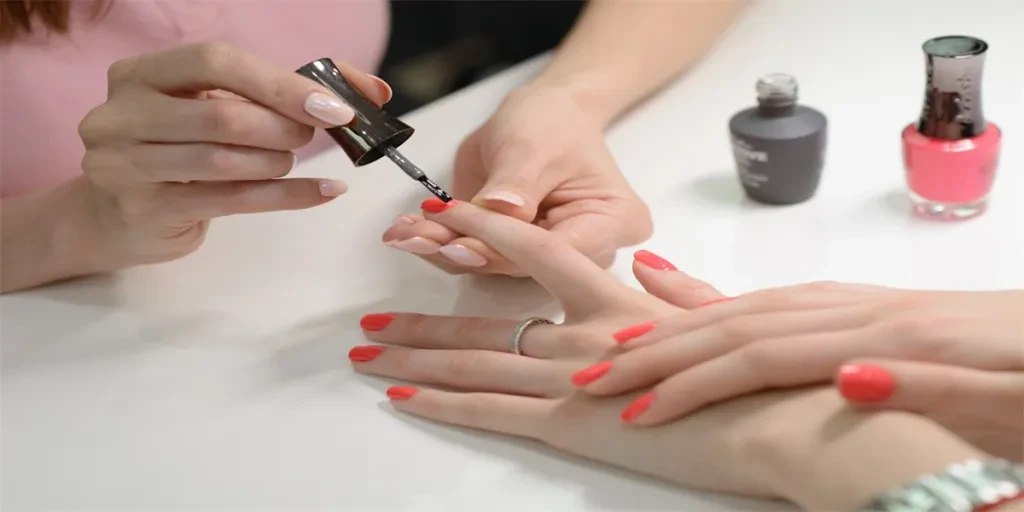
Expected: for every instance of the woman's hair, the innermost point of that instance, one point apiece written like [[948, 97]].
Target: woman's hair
[[17, 17]]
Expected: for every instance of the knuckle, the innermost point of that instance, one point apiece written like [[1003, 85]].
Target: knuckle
[[736, 330], [461, 364], [98, 125], [221, 160], [578, 341], [122, 70], [225, 118], [211, 57], [473, 408], [760, 361], [470, 328], [775, 299]]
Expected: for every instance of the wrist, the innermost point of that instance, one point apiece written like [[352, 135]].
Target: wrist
[[600, 95], [843, 459], [51, 235]]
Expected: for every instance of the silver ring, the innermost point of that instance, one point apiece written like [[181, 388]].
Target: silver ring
[[517, 336]]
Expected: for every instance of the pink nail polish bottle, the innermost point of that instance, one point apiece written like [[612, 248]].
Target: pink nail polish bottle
[[951, 153]]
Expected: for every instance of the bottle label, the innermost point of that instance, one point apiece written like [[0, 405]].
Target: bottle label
[[747, 159]]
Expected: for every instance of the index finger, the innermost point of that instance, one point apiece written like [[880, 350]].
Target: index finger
[[212, 66], [571, 277]]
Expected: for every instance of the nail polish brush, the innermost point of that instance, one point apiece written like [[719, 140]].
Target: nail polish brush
[[373, 133]]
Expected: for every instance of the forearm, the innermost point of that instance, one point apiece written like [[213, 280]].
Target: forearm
[[621, 51], [48, 236]]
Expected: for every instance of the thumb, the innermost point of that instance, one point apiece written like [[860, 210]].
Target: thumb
[[515, 186], [663, 280], [931, 389]]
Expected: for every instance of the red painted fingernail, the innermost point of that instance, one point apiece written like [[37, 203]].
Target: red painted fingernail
[[635, 409], [376, 321], [401, 392], [715, 301], [364, 354], [633, 332], [865, 383], [591, 373], [653, 260], [435, 205]]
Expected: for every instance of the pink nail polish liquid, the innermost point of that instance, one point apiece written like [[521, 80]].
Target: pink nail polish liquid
[[951, 153]]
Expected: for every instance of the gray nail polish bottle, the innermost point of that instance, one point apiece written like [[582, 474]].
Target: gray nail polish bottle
[[779, 146]]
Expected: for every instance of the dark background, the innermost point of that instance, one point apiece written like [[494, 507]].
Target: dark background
[[440, 46]]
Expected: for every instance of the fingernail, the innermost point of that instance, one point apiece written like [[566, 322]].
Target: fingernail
[[403, 219], [401, 392], [653, 260], [329, 109], [332, 188], [383, 85], [865, 383], [364, 354], [635, 409], [415, 245], [435, 205], [715, 301], [463, 255], [376, 321], [590, 373], [505, 197], [633, 332], [295, 161]]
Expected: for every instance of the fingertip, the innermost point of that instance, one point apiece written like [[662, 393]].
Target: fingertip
[[401, 393], [436, 206], [653, 261], [866, 383]]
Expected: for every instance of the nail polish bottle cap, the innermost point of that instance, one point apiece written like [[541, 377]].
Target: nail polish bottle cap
[[777, 89], [372, 128]]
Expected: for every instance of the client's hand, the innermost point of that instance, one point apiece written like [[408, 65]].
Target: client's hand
[[542, 159], [769, 445], [957, 357]]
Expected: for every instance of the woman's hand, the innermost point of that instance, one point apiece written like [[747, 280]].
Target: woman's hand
[[957, 357], [762, 445], [541, 159], [198, 132]]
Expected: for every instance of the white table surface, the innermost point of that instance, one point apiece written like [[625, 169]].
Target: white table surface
[[220, 382]]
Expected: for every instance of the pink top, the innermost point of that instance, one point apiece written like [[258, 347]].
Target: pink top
[[49, 82]]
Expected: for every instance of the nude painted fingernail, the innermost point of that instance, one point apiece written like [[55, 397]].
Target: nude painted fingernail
[[295, 161], [632, 332], [590, 373], [329, 109], [364, 354], [402, 219], [415, 245], [332, 188], [401, 392], [638, 407], [715, 301], [463, 256], [505, 197]]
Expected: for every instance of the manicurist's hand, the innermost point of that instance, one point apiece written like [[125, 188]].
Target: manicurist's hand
[[199, 132], [955, 357], [541, 159], [736, 447]]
